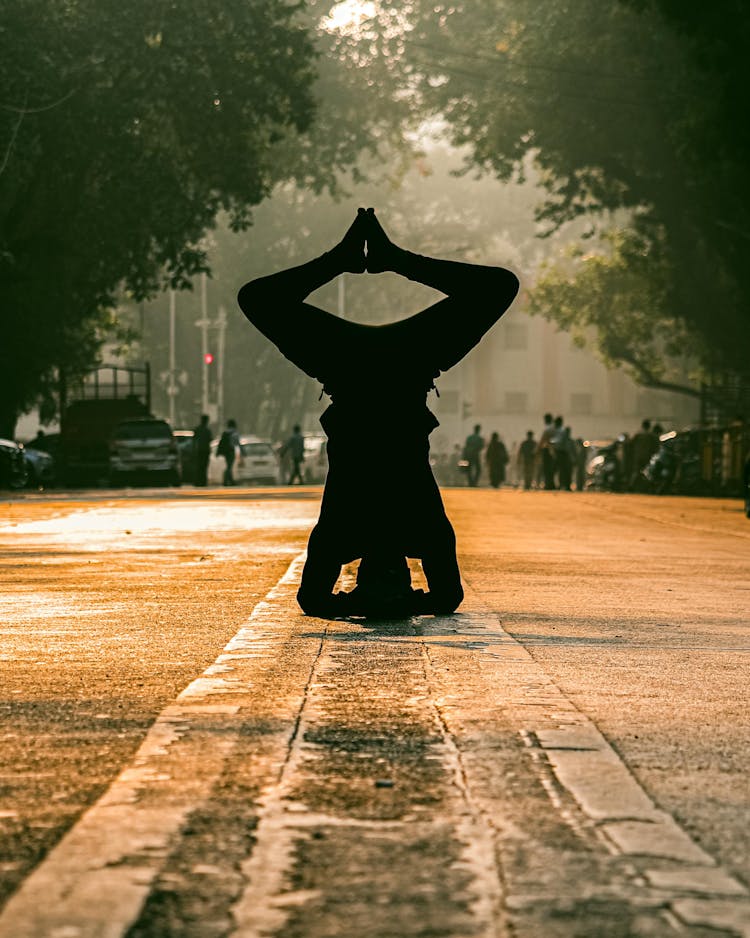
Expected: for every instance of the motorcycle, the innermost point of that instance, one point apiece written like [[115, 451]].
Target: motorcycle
[[603, 471], [676, 466]]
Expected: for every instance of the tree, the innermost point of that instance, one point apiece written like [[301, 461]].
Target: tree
[[123, 130], [620, 293], [624, 106]]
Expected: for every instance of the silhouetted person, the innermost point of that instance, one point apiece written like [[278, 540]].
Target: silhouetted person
[[527, 459], [294, 448], [565, 457], [378, 378], [496, 456], [547, 452], [201, 448], [643, 446], [473, 454], [228, 445]]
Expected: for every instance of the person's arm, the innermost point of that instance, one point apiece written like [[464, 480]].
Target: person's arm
[[477, 296], [305, 334]]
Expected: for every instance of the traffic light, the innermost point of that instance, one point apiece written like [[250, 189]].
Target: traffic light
[[208, 358]]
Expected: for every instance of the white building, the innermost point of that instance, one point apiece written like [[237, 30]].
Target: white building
[[524, 368]]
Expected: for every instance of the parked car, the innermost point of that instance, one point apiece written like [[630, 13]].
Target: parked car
[[143, 450], [184, 440], [258, 463], [40, 467], [13, 471]]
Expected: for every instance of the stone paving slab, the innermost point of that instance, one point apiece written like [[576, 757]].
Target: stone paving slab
[[729, 914]]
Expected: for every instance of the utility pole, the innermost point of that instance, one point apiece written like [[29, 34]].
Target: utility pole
[[221, 325], [172, 388], [342, 296], [204, 324]]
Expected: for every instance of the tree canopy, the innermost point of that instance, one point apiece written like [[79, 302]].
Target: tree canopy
[[123, 130], [625, 106]]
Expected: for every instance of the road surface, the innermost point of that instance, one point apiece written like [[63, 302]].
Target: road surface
[[185, 754]]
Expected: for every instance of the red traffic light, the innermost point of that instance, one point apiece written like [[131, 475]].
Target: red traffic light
[[208, 358]]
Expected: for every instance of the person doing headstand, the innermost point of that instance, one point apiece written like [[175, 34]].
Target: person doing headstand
[[378, 378]]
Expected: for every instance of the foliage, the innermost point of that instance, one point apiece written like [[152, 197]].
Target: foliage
[[623, 105], [123, 130], [621, 294]]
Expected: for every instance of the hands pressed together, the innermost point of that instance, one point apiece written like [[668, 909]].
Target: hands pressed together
[[365, 246]]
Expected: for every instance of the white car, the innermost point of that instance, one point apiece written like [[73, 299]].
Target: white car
[[257, 463]]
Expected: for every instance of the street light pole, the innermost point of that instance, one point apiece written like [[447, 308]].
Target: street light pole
[[172, 389], [342, 296], [203, 323], [221, 325]]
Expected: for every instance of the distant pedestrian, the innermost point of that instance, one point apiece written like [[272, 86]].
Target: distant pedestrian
[[496, 456], [229, 443], [561, 455], [473, 454], [201, 451], [294, 448], [643, 446], [546, 452], [566, 460], [527, 453]]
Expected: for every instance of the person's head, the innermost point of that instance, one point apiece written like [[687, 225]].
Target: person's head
[[495, 437], [232, 423], [477, 427], [204, 420], [548, 418], [295, 428], [645, 425], [529, 434], [558, 421], [568, 431]]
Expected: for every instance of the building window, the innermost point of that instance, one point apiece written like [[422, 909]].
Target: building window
[[516, 336], [516, 402], [581, 404]]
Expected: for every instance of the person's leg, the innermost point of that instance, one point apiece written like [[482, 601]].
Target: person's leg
[[440, 566], [319, 575]]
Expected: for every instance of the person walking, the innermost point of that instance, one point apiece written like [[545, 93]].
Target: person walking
[[229, 443], [496, 456], [546, 452], [294, 448], [527, 453], [643, 446], [201, 451], [473, 454]]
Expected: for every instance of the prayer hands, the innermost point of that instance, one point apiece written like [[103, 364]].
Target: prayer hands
[[365, 246]]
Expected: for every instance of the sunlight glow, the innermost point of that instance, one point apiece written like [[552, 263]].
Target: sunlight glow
[[348, 16]]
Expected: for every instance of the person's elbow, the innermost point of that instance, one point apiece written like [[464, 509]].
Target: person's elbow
[[251, 295]]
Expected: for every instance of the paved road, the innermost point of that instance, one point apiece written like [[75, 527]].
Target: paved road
[[185, 754]]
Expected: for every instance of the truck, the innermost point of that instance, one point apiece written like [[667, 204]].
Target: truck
[[89, 412]]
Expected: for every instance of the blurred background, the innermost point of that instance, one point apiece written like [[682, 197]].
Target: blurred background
[[155, 156]]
